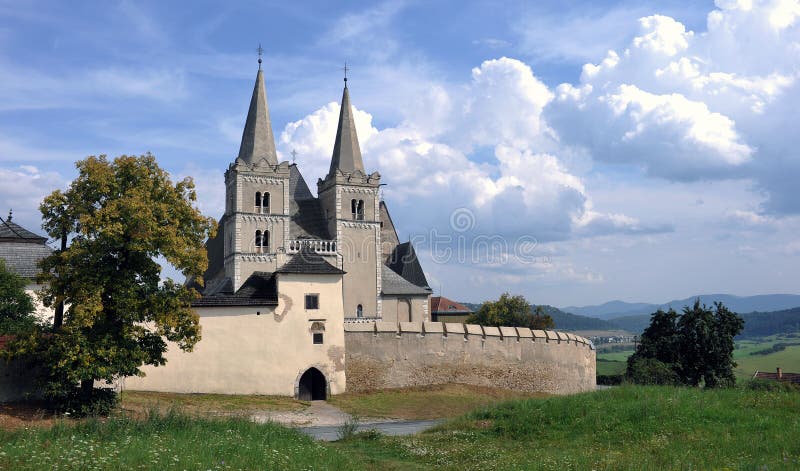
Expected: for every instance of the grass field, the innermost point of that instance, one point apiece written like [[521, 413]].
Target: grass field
[[621, 428], [143, 402], [426, 402]]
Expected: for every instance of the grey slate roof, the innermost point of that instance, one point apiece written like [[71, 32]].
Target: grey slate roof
[[260, 289], [306, 217], [394, 284], [11, 231], [21, 249], [309, 262], [405, 263], [346, 151], [257, 139]]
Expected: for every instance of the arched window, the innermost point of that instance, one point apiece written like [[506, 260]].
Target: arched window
[[265, 203], [258, 202], [265, 242], [360, 311], [258, 241], [353, 206], [357, 208]]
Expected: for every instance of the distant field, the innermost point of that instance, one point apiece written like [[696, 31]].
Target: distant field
[[788, 359]]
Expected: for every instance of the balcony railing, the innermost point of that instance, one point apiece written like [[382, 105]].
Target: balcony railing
[[362, 319], [324, 247]]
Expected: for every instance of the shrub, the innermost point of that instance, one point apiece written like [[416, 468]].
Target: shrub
[[771, 385], [651, 371], [101, 402]]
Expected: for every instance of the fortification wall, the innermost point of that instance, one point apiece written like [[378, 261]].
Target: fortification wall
[[389, 355]]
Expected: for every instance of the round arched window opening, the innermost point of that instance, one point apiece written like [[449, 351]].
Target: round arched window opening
[[360, 311]]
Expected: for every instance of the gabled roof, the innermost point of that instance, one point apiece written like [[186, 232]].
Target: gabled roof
[[394, 284], [259, 289], [306, 217], [442, 304], [346, 151], [389, 239], [21, 249], [309, 262], [257, 139], [11, 231], [405, 263]]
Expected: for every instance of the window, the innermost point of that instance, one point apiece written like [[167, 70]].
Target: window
[[357, 208], [312, 301], [265, 203], [258, 202], [317, 338], [360, 311], [262, 242]]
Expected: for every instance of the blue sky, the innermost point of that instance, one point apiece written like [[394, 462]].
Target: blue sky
[[641, 151]]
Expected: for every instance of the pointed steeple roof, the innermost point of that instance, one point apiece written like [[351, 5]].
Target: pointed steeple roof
[[257, 139], [346, 151]]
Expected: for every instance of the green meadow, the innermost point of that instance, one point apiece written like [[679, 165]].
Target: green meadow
[[629, 427]]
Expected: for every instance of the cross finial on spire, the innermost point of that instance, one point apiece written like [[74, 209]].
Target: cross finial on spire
[[260, 52], [294, 155], [10, 214], [345, 68]]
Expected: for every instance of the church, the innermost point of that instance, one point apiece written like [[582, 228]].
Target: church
[[287, 270]]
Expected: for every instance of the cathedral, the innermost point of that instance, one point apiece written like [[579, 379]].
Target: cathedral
[[287, 269]]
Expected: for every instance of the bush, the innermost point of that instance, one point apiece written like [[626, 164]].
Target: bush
[[102, 402], [609, 380], [651, 371]]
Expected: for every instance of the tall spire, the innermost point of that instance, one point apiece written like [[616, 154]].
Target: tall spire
[[257, 139], [346, 151]]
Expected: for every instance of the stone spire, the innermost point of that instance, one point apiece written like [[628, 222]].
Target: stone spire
[[346, 151], [257, 139]]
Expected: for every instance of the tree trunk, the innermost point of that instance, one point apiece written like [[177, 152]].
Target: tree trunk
[[58, 318], [87, 387]]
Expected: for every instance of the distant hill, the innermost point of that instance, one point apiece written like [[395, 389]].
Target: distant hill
[[756, 324], [622, 309], [567, 321]]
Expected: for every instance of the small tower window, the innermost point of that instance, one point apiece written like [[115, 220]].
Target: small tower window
[[262, 242], [357, 208], [258, 202], [360, 311], [265, 203], [317, 338]]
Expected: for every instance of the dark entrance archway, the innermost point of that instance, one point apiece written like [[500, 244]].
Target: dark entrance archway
[[312, 386]]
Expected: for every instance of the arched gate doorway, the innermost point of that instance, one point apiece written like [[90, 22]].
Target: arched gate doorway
[[312, 386]]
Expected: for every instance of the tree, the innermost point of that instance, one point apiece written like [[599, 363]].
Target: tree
[[706, 344], [16, 306], [511, 311], [120, 217], [696, 347]]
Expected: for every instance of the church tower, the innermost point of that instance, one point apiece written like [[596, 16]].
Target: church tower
[[351, 204], [256, 216]]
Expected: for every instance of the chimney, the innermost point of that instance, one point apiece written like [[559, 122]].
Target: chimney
[[780, 373]]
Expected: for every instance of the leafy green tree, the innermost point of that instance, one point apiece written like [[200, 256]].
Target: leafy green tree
[[510, 311], [659, 341], [16, 306], [121, 217], [706, 344], [696, 346]]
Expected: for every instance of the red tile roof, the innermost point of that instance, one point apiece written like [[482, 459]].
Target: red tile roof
[[793, 378], [442, 304]]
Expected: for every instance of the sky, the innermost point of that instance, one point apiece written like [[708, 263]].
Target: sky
[[574, 152]]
